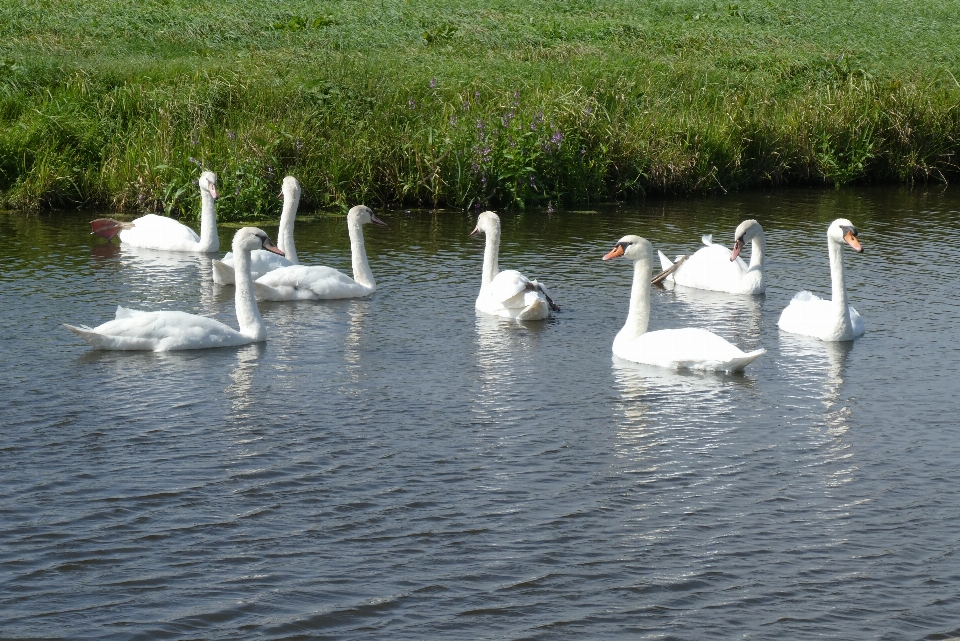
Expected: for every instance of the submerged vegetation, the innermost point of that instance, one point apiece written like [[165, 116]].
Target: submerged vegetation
[[466, 103]]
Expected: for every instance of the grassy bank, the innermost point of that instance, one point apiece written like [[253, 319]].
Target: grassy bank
[[509, 103]]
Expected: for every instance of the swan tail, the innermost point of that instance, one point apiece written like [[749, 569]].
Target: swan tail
[[534, 311], [668, 269], [739, 363], [707, 239], [665, 263], [223, 273], [108, 227], [92, 338]]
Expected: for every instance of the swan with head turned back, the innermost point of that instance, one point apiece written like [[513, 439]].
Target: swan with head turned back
[[166, 331], [828, 320], [688, 348], [718, 269], [163, 233], [262, 261], [508, 293], [306, 282]]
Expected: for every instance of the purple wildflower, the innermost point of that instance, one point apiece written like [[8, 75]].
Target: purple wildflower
[[412, 104], [237, 192], [587, 111], [299, 144], [231, 135], [557, 138], [433, 83], [583, 151], [476, 94], [533, 182], [194, 161], [453, 121]]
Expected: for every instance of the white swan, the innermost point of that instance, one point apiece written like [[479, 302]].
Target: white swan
[[509, 293], [304, 282], [262, 261], [672, 348], [166, 331], [716, 268], [160, 232], [828, 320]]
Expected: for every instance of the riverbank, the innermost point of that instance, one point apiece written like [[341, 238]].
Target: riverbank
[[459, 105]]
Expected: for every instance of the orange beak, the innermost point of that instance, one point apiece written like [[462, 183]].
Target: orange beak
[[852, 241], [737, 248], [614, 253]]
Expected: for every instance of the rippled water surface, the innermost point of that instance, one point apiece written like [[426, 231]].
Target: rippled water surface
[[397, 467]]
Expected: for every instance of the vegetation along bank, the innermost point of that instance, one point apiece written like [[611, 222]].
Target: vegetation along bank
[[465, 103]]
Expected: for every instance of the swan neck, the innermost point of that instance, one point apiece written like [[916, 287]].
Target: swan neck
[[248, 314], [759, 246], [285, 235], [836, 277], [209, 242], [361, 268], [639, 315], [491, 254]]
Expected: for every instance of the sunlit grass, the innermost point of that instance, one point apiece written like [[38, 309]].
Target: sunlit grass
[[457, 104]]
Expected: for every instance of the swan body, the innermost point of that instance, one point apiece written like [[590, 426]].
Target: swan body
[[262, 261], [828, 320], [304, 282], [688, 348], [165, 331], [508, 293], [719, 269], [160, 232]]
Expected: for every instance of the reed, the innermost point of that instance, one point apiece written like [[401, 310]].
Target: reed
[[461, 105]]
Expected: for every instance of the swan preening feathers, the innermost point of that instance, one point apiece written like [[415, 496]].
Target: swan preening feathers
[[508, 294], [828, 320], [167, 331], [160, 232], [719, 269], [262, 261], [688, 348]]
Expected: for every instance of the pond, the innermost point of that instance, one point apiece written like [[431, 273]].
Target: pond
[[398, 467]]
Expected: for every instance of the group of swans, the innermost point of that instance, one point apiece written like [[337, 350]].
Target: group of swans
[[258, 268], [261, 270]]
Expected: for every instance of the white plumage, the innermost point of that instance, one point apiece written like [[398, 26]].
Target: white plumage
[[716, 268]]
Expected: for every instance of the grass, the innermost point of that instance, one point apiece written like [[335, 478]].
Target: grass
[[118, 104]]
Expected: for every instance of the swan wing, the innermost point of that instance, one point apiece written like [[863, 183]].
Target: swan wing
[[303, 282], [809, 315], [688, 348], [159, 232], [160, 332], [507, 285]]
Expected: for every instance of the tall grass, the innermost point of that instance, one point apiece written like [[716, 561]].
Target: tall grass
[[525, 103]]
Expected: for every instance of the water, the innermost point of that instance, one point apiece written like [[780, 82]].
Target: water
[[397, 467]]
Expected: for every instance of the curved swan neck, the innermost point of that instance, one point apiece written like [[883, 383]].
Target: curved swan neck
[[491, 254], [361, 268], [209, 242], [759, 245], [248, 314], [836, 279], [639, 315], [285, 235]]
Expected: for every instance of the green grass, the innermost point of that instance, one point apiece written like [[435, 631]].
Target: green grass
[[508, 104]]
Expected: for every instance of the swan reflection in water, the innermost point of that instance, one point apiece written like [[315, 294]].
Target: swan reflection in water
[[507, 358], [816, 369], [239, 391]]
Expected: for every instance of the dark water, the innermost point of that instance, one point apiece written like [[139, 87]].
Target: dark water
[[398, 468]]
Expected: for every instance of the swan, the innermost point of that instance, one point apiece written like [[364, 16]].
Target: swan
[[303, 282], [828, 320], [716, 268], [167, 331], [508, 294], [671, 348], [160, 232], [262, 261]]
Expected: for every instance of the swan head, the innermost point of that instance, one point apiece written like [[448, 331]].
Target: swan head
[[842, 231], [208, 183], [487, 223], [745, 233], [248, 239], [633, 248], [290, 189], [364, 215]]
